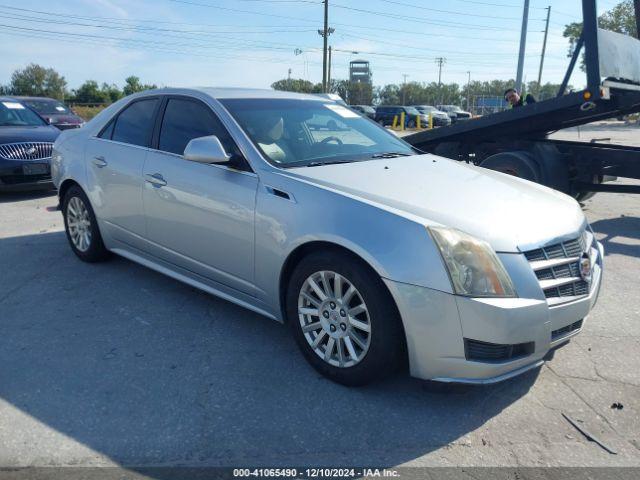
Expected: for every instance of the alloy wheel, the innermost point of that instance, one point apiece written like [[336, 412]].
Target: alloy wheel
[[79, 224], [334, 319]]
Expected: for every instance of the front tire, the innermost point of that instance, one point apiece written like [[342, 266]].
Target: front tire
[[344, 319], [82, 228]]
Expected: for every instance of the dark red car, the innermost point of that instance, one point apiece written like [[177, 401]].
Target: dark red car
[[53, 112]]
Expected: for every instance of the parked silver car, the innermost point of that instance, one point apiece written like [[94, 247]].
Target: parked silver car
[[300, 209]]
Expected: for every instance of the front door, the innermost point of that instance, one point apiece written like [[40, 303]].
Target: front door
[[200, 217]]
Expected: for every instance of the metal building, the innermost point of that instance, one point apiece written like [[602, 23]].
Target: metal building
[[359, 72]]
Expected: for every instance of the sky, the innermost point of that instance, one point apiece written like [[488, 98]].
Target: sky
[[252, 43]]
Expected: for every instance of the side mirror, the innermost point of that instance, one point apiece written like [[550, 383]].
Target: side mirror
[[206, 150]]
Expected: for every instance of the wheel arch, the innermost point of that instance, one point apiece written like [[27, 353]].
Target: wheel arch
[[64, 188], [305, 249]]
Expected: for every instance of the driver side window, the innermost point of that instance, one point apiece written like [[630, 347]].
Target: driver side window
[[185, 120]]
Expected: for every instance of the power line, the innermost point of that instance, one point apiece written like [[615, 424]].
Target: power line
[[506, 5], [420, 20], [125, 21], [151, 31], [449, 12]]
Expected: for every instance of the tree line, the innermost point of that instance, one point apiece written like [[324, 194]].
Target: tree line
[[415, 93], [38, 81]]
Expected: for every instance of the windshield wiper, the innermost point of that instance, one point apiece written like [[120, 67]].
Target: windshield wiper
[[329, 162], [390, 155]]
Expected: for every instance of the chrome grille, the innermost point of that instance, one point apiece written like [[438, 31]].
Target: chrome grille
[[557, 268], [571, 248], [26, 150]]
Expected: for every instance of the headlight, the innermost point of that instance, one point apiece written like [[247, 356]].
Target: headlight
[[474, 268]]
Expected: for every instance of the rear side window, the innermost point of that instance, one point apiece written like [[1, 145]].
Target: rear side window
[[135, 124], [185, 120]]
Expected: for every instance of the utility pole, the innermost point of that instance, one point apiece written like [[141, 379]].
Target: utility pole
[[404, 88], [324, 33], [544, 49], [523, 44], [468, 91], [440, 61], [636, 4]]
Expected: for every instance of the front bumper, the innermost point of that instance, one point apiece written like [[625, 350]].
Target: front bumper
[[437, 323], [15, 175], [441, 121]]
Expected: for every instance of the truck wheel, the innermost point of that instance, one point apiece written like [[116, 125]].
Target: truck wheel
[[518, 164]]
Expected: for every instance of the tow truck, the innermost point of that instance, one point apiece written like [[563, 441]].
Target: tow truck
[[517, 141]]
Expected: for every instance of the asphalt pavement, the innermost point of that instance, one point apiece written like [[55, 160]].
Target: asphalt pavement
[[113, 364]]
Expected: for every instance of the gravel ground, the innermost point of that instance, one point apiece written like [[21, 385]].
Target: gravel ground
[[113, 364]]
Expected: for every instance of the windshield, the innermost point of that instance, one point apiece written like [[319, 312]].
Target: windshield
[[426, 108], [14, 114], [47, 107], [292, 132], [412, 111]]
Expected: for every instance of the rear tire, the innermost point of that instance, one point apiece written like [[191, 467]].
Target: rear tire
[[356, 321], [518, 164], [81, 227]]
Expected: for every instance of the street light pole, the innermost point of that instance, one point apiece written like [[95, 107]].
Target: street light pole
[[325, 38], [523, 44], [329, 71], [468, 91], [544, 49], [440, 61], [404, 88]]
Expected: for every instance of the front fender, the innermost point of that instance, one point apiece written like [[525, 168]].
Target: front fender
[[396, 247], [67, 162]]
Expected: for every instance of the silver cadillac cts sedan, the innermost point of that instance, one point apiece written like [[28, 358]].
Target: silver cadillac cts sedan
[[298, 208]]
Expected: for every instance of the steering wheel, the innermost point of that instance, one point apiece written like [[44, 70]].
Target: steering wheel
[[331, 139]]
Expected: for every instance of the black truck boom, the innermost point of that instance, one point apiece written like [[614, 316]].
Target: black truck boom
[[516, 141]]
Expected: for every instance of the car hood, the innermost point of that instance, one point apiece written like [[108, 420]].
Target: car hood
[[57, 118], [45, 133], [509, 213]]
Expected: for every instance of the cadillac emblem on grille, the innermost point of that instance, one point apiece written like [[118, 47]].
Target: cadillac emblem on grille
[[585, 267]]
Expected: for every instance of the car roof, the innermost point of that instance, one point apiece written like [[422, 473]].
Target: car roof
[[35, 98], [9, 99], [227, 93]]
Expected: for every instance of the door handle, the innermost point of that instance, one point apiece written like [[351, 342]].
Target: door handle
[[156, 179], [99, 162]]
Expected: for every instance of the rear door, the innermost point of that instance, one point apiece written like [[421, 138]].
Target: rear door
[[200, 217], [115, 160]]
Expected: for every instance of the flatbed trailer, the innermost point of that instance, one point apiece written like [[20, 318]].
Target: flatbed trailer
[[517, 141]]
